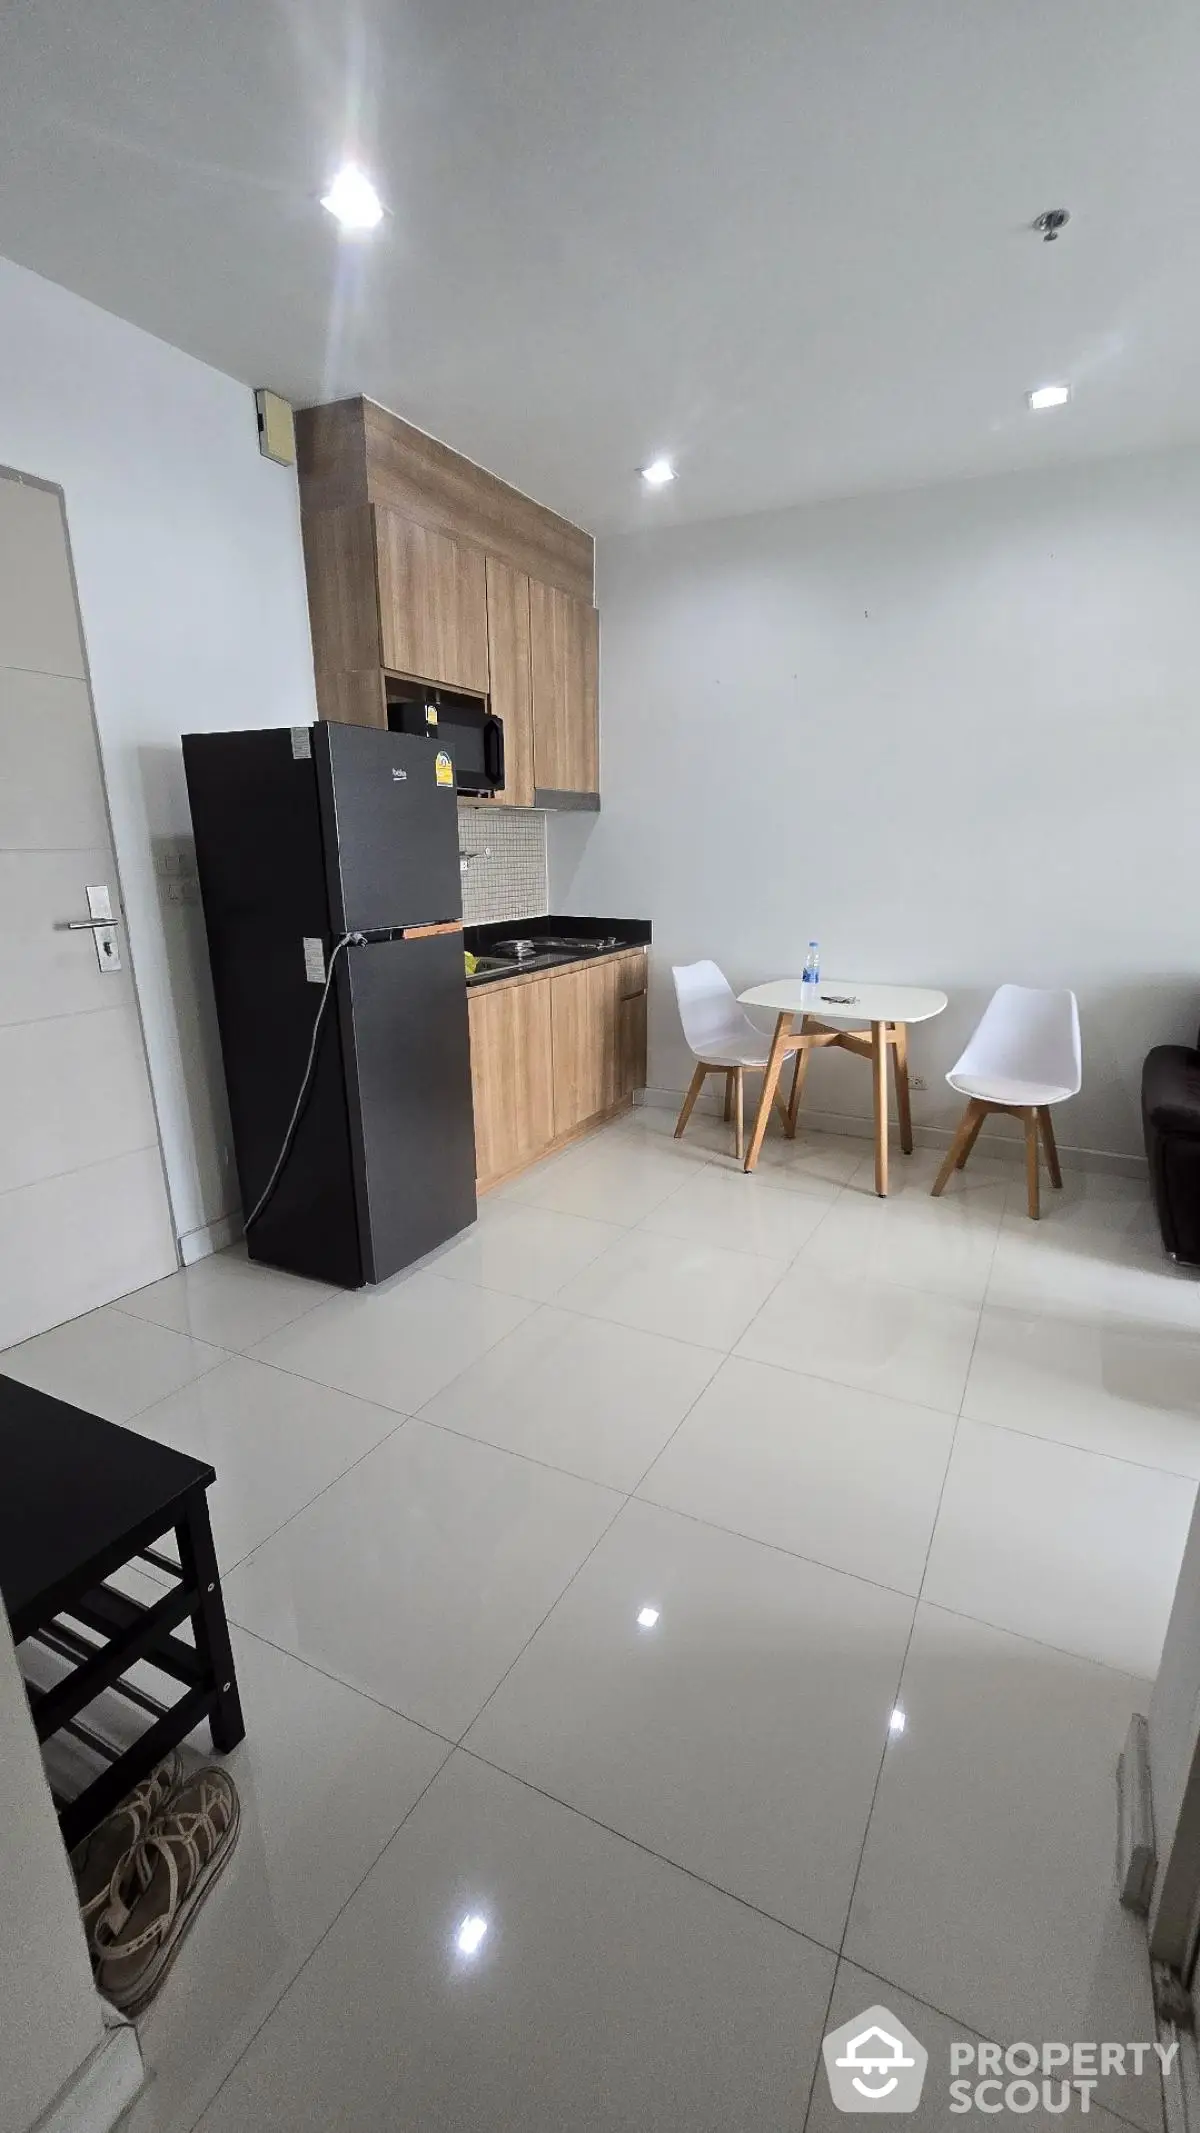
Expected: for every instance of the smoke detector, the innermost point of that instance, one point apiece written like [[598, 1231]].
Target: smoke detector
[[1050, 223]]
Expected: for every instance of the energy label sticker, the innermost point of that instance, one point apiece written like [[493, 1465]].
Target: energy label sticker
[[443, 768]]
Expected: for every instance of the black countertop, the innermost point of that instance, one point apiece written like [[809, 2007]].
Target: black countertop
[[626, 932]]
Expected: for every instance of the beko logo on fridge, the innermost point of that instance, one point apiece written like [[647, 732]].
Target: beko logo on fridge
[[399, 777]]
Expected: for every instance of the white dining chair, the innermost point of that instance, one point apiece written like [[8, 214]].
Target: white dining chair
[[1023, 1057], [721, 1037]]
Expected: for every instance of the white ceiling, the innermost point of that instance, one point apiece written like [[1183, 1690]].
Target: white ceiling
[[784, 241]]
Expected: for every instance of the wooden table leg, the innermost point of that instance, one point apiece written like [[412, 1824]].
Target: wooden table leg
[[729, 1094], [770, 1082], [900, 1068], [879, 1052], [798, 1073], [739, 1082]]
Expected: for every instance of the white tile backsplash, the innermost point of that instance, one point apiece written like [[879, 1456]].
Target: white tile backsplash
[[506, 874]]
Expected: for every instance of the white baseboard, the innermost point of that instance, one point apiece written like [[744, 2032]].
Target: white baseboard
[[213, 1237], [103, 2089], [1005, 1148]]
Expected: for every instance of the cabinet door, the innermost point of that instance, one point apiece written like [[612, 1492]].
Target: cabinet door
[[586, 1064], [432, 604], [508, 660], [631, 1026], [511, 1076], [564, 640]]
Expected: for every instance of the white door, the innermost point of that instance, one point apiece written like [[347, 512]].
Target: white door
[[84, 1215]]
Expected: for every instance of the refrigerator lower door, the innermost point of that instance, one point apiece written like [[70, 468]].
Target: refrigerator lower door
[[404, 1019]]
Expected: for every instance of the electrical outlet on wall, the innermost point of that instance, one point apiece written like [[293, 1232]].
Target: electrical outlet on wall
[[917, 1082]]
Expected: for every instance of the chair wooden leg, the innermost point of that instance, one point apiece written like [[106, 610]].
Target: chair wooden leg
[[739, 1133], [770, 1083], [1029, 1114], [964, 1135], [689, 1102], [1051, 1147], [971, 1139], [900, 1070], [879, 1053], [729, 1094]]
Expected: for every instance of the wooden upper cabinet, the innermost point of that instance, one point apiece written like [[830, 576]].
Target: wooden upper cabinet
[[508, 656], [432, 604], [564, 659]]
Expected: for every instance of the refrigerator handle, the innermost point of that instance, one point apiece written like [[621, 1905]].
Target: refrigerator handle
[[424, 933]]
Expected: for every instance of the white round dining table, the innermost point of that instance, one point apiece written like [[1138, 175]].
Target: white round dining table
[[823, 1009]]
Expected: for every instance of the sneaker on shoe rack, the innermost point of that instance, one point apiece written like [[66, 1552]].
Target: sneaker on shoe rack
[[97, 1857], [157, 1892]]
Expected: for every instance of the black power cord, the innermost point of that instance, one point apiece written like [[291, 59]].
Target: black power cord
[[348, 940]]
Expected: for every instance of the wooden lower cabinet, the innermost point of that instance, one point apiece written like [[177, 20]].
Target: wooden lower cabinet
[[552, 1054], [511, 1077]]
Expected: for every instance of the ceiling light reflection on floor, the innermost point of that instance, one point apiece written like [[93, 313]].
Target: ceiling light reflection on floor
[[647, 1617], [471, 1934]]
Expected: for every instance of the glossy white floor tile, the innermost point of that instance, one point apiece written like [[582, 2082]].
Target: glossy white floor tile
[[1060, 1545], [325, 1778], [110, 1363], [1111, 1387], [275, 1441], [986, 1885], [398, 1344], [525, 1251], [619, 1183], [858, 1330], [227, 1300], [847, 1478], [856, 1990], [596, 1399], [818, 1163], [692, 1292], [739, 1213], [608, 1992], [421, 1573], [1075, 1272], [738, 1735], [763, 1414], [946, 1249]]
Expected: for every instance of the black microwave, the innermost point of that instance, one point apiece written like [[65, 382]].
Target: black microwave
[[463, 725]]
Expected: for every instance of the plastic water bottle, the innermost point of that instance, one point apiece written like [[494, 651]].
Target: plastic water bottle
[[812, 971]]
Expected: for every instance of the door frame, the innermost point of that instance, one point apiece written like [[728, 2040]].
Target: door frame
[[55, 489]]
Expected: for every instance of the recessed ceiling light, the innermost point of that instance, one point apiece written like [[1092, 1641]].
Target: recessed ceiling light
[[352, 199], [897, 1721], [658, 473], [1049, 396], [647, 1617], [471, 1934]]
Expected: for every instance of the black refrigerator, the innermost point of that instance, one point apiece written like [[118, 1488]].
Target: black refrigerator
[[305, 835]]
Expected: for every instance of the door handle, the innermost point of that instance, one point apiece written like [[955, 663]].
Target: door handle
[[100, 924]]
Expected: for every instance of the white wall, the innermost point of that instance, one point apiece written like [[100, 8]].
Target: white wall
[[49, 2013], [954, 734], [191, 583]]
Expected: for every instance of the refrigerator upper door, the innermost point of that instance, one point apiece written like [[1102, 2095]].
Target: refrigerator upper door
[[404, 1015], [390, 819]]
